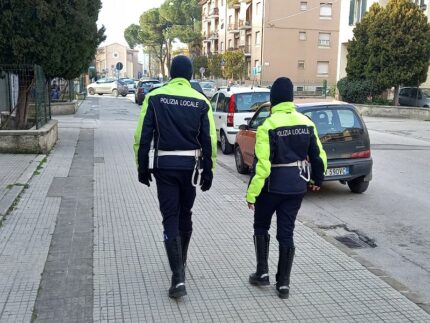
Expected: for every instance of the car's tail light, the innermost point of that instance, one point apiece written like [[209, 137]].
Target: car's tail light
[[230, 114], [361, 154]]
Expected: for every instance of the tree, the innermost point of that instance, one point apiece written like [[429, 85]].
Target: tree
[[153, 26], [132, 35], [61, 36], [234, 64], [391, 46], [214, 64], [199, 62], [184, 17]]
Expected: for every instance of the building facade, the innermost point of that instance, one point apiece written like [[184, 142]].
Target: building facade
[[294, 38], [351, 12], [108, 56]]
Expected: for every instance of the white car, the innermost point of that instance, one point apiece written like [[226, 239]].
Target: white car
[[209, 88], [233, 107], [107, 86]]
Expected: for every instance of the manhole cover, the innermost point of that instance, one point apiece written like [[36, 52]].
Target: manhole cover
[[352, 241]]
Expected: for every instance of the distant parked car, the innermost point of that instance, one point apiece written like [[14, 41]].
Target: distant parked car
[[108, 86], [232, 107], [414, 97], [130, 84], [196, 86], [209, 88], [343, 135], [143, 87]]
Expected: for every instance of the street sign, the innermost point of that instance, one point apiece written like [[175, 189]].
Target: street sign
[[119, 66], [202, 71]]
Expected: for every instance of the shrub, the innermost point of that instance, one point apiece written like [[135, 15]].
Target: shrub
[[357, 91]]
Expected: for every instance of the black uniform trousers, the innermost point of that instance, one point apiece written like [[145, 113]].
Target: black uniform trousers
[[176, 196], [286, 208]]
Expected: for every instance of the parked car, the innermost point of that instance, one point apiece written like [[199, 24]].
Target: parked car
[[414, 97], [130, 84], [231, 108], [209, 88], [196, 86], [343, 135], [143, 87], [107, 86]]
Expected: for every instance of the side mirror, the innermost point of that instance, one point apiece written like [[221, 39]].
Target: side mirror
[[247, 120], [243, 127]]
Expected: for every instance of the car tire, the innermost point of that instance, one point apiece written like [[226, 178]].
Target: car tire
[[91, 91], [240, 165], [123, 95], [358, 185], [115, 92], [100, 93], [226, 147]]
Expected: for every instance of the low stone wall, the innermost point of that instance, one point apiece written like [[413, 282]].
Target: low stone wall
[[394, 112], [63, 108], [32, 141]]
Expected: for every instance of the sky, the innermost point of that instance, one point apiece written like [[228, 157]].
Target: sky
[[117, 15]]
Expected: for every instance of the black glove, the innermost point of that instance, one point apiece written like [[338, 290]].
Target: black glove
[[145, 177], [206, 181]]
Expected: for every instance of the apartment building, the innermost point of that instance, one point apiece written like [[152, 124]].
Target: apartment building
[[108, 56], [291, 38], [351, 12]]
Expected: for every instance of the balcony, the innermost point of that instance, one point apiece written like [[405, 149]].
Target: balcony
[[233, 28], [244, 24], [247, 50], [213, 36]]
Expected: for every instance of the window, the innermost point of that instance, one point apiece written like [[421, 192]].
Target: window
[[301, 64], [229, 44], [357, 9], [324, 40], [259, 117], [302, 35], [222, 46], [258, 9], [322, 68], [300, 89], [256, 63], [325, 10], [303, 6], [213, 102], [220, 103], [257, 38]]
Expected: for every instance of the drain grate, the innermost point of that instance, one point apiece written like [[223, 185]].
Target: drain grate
[[352, 241]]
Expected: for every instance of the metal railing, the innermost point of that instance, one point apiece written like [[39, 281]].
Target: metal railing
[[24, 97]]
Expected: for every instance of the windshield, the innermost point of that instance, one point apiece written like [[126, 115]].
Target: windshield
[[207, 85], [248, 102], [339, 124]]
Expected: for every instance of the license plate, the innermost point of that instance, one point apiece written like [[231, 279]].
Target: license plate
[[337, 171]]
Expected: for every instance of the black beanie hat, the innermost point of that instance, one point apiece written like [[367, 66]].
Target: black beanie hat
[[181, 67], [282, 90]]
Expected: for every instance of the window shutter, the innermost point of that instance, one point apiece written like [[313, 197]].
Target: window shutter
[[351, 12]]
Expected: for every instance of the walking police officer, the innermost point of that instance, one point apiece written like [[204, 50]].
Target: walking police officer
[[287, 144], [179, 122]]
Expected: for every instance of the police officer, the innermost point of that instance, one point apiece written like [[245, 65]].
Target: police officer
[[287, 142], [179, 122]]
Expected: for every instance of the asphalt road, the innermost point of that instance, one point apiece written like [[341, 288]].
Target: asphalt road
[[393, 215]]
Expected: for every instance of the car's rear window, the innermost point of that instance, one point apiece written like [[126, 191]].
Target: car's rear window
[[196, 86], [336, 124], [248, 102]]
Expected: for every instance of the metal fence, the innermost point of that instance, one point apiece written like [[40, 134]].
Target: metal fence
[[24, 97]]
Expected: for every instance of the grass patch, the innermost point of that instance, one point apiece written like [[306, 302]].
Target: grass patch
[[8, 187]]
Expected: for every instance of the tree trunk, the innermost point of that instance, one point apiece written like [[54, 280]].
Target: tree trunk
[[396, 96], [21, 115]]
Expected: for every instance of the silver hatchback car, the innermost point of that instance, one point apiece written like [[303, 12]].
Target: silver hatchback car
[[414, 97]]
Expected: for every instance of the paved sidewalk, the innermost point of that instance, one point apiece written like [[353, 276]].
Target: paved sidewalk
[[129, 267]]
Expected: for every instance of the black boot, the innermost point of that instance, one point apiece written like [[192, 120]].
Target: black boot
[[185, 241], [174, 254], [286, 256], [261, 276]]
